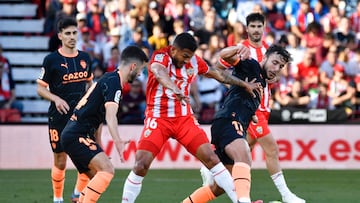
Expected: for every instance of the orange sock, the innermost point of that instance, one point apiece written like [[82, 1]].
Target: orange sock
[[201, 195], [96, 186], [82, 195], [58, 179], [242, 179], [81, 182]]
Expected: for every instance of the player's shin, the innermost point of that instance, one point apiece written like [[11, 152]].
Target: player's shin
[[223, 178], [132, 188], [242, 181]]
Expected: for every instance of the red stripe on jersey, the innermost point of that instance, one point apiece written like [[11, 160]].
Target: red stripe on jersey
[[258, 54], [162, 102]]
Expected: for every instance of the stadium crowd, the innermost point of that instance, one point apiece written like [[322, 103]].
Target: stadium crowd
[[322, 36]]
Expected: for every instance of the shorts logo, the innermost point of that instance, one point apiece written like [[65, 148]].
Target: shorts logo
[[147, 133], [83, 64], [159, 57], [259, 130]]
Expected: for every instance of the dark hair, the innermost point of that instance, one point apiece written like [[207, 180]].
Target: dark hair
[[185, 41], [286, 56], [255, 17], [66, 22], [131, 53]]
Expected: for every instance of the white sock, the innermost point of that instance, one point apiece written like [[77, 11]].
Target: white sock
[[132, 188], [76, 192], [58, 199], [224, 179], [279, 181]]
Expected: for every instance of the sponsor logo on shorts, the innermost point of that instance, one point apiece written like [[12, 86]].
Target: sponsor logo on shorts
[[259, 130], [147, 133]]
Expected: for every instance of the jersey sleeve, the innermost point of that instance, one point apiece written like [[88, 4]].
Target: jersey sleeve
[[45, 75], [202, 66], [161, 58], [112, 90]]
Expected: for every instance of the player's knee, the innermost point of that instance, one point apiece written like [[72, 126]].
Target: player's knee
[[141, 168]]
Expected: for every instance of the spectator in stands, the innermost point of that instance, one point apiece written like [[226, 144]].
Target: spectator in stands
[[237, 34], [98, 70], [210, 95], [355, 20], [340, 91], [178, 27], [155, 16], [10, 108], [326, 70], [114, 60], [331, 20], [313, 36], [297, 97], [297, 51], [82, 22], [88, 45], [133, 105], [343, 34], [283, 87], [303, 17], [357, 95], [137, 39], [212, 25], [95, 17], [319, 98], [308, 71], [112, 42], [158, 38], [128, 29], [216, 43]]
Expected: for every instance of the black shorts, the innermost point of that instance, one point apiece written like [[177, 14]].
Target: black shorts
[[79, 143], [55, 130], [223, 132]]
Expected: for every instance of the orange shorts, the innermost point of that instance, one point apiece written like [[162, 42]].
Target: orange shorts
[[185, 130], [261, 128]]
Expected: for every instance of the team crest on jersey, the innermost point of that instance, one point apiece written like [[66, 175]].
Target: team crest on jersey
[[147, 133], [83, 64], [190, 71], [159, 57], [42, 73], [259, 130], [117, 96]]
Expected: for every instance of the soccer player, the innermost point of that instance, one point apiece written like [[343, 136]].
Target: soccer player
[[65, 75], [171, 70], [228, 131], [99, 104], [260, 132]]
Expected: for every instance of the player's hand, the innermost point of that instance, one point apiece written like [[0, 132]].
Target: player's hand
[[243, 52], [182, 98], [252, 87], [61, 106], [254, 119], [120, 147]]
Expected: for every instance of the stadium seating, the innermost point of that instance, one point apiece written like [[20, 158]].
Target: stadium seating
[[25, 46]]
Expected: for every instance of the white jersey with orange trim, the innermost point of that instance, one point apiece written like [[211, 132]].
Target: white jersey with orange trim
[[258, 54], [162, 102]]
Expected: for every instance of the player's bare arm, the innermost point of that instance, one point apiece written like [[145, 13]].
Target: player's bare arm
[[162, 76], [112, 122], [61, 105]]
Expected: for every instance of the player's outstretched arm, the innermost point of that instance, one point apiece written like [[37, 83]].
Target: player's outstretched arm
[[112, 122]]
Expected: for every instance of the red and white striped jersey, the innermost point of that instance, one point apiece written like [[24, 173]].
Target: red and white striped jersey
[[162, 102], [258, 54]]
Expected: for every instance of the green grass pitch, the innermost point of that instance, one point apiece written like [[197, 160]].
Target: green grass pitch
[[167, 186]]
